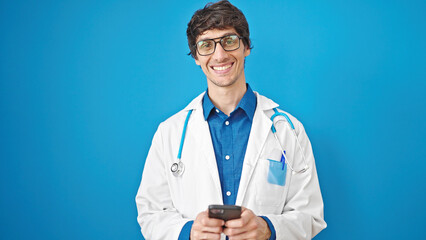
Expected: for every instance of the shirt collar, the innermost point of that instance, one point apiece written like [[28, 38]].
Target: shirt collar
[[207, 106], [247, 103]]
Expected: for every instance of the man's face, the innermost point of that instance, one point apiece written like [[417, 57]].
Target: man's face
[[222, 68]]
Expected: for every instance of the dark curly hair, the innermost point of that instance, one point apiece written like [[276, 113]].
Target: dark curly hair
[[219, 15]]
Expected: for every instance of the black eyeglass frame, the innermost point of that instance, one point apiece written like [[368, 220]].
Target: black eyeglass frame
[[220, 42]]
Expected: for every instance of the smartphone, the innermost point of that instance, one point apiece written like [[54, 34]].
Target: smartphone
[[224, 212]]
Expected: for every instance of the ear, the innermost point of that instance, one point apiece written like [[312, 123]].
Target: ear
[[197, 62], [247, 51]]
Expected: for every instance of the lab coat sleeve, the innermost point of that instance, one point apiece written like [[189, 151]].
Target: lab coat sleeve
[[157, 216], [303, 214]]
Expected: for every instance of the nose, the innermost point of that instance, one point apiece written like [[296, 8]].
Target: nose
[[220, 54]]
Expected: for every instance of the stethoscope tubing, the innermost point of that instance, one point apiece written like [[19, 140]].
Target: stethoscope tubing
[[178, 167], [285, 155]]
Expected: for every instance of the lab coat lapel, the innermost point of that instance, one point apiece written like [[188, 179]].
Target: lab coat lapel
[[259, 131], [204, 142]]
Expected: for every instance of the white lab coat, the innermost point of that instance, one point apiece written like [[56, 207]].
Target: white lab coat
[[165, 202]]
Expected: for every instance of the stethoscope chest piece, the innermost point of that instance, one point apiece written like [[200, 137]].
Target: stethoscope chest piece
[[177, 169]]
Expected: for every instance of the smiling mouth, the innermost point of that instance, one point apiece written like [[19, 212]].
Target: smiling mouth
[[222, 68]]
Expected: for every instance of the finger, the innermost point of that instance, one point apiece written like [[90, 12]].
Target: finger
[[204, 220], [244, 235], [246, 217], [205, 235], [212, 222], [235, 223], [233, 231], [246, 212], [212, 229]]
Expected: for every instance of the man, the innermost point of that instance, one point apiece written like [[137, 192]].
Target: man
[[228, 153]]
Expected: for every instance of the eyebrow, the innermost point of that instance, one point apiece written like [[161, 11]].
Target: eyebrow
[[223, 35]]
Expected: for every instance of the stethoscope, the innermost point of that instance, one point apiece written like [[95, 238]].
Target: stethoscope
[[289, 124], [178, 167]]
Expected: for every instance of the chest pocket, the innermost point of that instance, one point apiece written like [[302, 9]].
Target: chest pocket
[[277, 171], [272, 177]]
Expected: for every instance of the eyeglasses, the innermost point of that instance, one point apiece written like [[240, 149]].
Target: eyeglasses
[[228, 43]]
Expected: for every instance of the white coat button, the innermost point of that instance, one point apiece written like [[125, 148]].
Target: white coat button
[[227, 157], [228, 193], [217, 110], [227, 123]]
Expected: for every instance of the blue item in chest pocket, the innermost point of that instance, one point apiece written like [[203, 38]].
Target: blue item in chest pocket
[[277, 171]]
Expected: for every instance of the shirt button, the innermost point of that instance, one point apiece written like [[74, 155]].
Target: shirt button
[[227, 157], [227, 123], [228, 193], [217, 110]]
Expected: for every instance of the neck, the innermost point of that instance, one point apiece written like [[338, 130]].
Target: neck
[[227, 98]]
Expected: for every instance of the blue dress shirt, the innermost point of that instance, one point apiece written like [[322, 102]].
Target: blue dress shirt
[[230, 136]]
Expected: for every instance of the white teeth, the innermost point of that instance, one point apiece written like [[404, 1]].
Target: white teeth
[[222, 68]]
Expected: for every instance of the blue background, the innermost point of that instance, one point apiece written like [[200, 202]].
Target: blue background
[[84, 85]]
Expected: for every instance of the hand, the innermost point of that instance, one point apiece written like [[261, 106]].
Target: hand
[[249, 226], [206, 228]]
